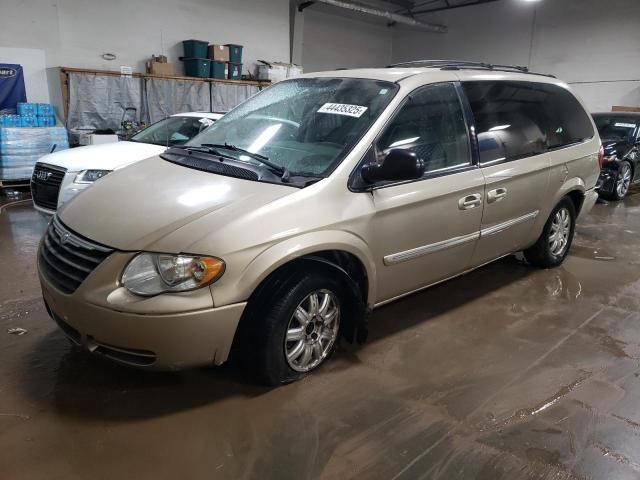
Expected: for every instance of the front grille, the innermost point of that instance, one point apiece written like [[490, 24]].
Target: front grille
[[66, 259], [45, 185]]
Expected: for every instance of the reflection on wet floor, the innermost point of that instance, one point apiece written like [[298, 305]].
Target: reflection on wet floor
[[508, 372]]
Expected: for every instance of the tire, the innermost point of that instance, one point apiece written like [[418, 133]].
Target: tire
[[279, 347], [559, 228], [622, 182]]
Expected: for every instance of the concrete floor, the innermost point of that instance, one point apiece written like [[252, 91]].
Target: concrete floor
[[508, 372]]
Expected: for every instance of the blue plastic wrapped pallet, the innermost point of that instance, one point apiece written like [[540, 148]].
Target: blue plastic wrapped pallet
[[46, 121], [195, 48], [27, 108], [197, 67], [235, 53], [21, 148], [45, 110]]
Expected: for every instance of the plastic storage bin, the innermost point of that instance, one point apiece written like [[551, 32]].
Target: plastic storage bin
[[27, 108], [197, 67], [195, 48], [235, 53], [235, 71], [218, 69]]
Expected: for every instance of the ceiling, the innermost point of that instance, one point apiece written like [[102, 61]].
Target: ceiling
[[418, 7]]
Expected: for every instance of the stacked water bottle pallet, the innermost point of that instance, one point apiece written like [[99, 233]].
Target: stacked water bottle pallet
[[30, 115], [22, 147]]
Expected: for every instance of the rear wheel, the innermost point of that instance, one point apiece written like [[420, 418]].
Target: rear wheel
[[553, 245], [622, 182]]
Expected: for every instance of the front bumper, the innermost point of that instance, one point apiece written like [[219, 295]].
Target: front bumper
[[162, 341], [607, 180]]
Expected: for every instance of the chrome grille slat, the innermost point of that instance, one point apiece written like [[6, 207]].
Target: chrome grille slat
[[45, 185], [66, 259], [53, 250]]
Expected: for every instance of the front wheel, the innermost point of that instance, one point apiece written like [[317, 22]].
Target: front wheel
[[553, 245], [294, 329]]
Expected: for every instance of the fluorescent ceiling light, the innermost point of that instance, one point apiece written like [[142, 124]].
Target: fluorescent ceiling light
[[499, 127]]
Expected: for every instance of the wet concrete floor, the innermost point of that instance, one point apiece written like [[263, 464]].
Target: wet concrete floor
[[508, 372]]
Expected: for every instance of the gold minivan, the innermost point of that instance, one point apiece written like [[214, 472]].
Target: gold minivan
[[274, 232]]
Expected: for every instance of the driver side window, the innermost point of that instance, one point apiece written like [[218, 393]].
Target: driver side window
[[430, 124]]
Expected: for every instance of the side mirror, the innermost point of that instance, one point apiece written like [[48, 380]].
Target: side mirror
[[399, 164]]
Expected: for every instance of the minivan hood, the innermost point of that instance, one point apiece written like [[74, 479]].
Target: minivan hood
[[107, 156], [136, 207]]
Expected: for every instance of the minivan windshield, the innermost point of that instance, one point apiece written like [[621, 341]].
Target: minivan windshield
[[305, 125]]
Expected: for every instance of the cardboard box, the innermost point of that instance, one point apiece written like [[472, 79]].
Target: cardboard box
[[617, 108], [156, 68], [219, 53]]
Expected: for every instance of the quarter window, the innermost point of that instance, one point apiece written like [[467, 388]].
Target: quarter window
[[432, 125], [520, 119]]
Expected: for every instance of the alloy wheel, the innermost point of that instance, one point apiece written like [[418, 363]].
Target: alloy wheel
[[312, 330], [559, 233], [624, 180]]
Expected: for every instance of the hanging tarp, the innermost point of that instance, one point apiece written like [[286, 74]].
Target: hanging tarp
[[166, 97], [12, 90], [224, 96], [99, 102]]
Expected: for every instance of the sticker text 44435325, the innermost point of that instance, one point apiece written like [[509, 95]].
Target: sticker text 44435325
[[343, 109]]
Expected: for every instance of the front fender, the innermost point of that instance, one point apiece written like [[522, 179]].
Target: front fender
[[244, 282]]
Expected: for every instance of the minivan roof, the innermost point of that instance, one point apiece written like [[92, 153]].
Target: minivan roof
[[438, 73]]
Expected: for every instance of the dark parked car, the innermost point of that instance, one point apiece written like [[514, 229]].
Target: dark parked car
[[620, 134]]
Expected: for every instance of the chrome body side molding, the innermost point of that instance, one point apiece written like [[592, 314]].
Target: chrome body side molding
[[407, 255]]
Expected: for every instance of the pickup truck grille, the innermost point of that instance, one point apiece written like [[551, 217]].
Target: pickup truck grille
[[45, 185], [66, 259]]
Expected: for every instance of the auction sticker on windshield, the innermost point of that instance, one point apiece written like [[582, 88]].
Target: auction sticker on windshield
[[343, 109]]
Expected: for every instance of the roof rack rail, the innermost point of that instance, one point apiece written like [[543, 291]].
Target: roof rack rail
[[463, 64]]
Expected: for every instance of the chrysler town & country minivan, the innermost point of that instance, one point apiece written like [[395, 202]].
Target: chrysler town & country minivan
[[273, 233]]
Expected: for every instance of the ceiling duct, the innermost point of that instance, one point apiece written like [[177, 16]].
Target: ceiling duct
[[392, 17]]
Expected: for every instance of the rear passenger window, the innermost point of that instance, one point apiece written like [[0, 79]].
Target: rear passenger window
[[432, 125], [520, 119]]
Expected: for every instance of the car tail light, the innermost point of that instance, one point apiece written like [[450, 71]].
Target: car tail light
[[601, 156]]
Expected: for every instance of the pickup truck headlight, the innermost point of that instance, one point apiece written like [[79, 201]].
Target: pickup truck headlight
[[90, 176], [154, 273]]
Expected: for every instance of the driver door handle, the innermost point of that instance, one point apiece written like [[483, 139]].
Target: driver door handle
[[470, 201], [496, 195]]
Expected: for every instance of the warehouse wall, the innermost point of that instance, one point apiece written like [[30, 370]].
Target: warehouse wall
[[593, 45], [75, 33], [335, 38]]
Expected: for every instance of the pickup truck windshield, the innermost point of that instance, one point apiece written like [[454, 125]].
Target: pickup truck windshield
[[305, 125]]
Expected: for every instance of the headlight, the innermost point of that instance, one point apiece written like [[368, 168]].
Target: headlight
[[90, 176], [153, 273]]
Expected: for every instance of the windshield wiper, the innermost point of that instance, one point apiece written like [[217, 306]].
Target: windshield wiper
[[280, 170]]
